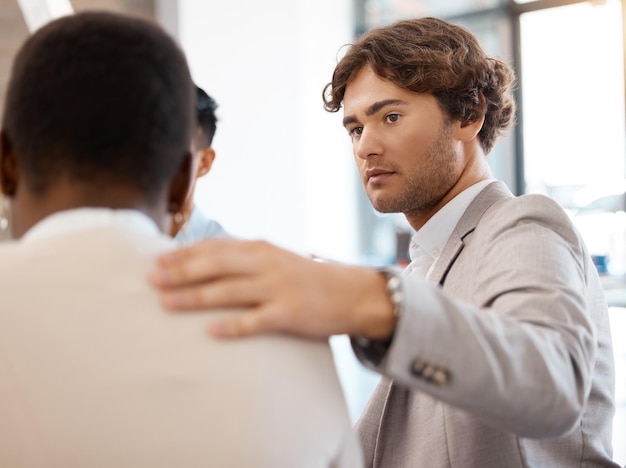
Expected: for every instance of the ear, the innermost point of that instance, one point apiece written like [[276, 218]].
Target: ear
[[469, 129], [179, 187], [205, 161], [9, 173]]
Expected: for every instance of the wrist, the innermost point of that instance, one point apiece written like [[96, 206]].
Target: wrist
[[385, 302]]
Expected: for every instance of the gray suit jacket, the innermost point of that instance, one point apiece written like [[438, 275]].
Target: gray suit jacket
[[505, 359]]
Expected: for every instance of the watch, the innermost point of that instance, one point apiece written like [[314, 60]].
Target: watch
[[374, 351], [394, 288]]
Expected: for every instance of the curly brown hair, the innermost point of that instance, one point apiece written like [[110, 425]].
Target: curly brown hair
[[429, 55]]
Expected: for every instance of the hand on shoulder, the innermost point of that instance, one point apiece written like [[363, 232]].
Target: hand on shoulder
[[282, 291]]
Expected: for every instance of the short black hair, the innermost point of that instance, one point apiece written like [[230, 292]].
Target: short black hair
[[100, 98], [207, 120]]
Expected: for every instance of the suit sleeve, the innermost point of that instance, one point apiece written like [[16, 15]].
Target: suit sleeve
[[509, 337]]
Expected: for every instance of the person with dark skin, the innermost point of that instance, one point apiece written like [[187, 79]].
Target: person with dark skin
[[494, 344], [95, 159]]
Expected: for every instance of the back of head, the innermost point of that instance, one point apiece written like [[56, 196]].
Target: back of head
[[100, 99], [207, 120], [428, 55]]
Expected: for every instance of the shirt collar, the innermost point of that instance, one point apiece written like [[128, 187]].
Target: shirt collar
[[67, 221], [432, 237]]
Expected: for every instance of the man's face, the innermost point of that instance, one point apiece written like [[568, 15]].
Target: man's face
[[404, 146]]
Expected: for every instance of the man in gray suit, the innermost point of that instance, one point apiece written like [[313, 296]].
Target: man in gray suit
[[494, 343]]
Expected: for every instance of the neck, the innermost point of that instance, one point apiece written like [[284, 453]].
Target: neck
[[28, 208]]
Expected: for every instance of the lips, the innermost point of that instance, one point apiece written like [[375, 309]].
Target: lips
[[377, 175]]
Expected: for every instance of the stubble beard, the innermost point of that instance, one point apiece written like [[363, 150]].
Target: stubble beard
[[427, 184]]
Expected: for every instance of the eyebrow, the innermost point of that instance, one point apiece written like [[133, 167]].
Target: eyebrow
[[371, 110]]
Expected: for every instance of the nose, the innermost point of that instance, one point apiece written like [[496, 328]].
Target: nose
[[368, 144]]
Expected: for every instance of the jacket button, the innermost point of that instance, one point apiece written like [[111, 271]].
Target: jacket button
[[430, 372], [417, 367], [441, 377]]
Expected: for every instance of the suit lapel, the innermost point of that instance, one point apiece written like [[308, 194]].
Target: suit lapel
[[487, 197]]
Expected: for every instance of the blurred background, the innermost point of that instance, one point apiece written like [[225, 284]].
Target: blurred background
[[284, 169]]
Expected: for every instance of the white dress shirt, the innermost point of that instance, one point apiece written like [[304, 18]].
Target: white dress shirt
[[94, 373], [427, 243]]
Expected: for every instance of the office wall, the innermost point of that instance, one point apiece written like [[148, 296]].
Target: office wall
[[284, 169], [13, 29], [12, 32]]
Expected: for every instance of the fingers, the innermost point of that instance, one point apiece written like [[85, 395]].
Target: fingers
[[263, 320], [280, 291], [232, 292], [184, 266], [242, 325], [202, 262]]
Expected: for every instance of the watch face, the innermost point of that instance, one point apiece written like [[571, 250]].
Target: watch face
[[394, 288]]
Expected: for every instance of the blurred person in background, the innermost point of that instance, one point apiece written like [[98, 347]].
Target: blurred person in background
[[190, 224]]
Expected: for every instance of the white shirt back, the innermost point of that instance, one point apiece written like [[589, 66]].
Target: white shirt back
[[94, 373]]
